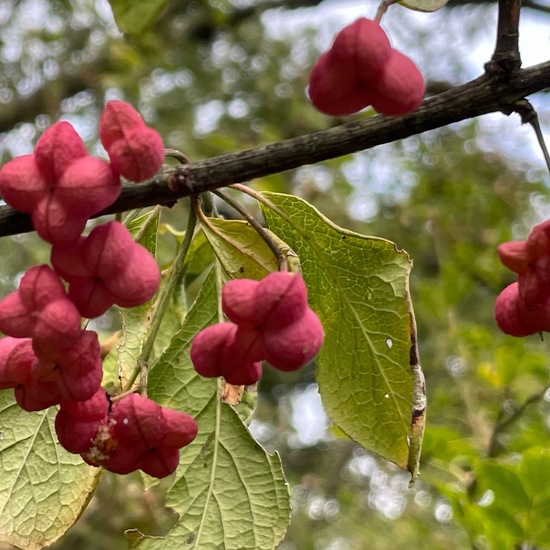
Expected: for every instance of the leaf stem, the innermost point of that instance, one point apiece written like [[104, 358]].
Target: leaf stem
[[277, 252], [164, 297], [177, 154], [150, 220], [215, 435], [382, 8], [266, 202]]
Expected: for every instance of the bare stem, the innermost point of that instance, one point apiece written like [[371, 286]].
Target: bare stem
[[506, 57], [540, 138], [178, 155], [382, 8], [277, 252], [163, 300], [480, 96]]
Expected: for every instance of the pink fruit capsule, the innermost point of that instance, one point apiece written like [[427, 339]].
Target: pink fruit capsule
[[400, 88], [291, 347], [138, 155], [117, 118], [239, 303], [56, 149]]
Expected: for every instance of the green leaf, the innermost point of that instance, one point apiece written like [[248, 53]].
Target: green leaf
[[504, 482], [359, 288], [502, 528], [199, 258], [144, 229], [133, 18], [241, 251], [534, 471], [424, 5], [43, 488], [228, 491]]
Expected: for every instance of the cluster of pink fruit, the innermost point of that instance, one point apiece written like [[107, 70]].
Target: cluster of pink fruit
[[360, 69], [269, 320], [46, 357], [130, 434], [523, 307]]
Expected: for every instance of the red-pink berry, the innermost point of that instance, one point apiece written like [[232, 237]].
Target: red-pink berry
[[22, 185], [239, 302], [87, 186], [139, 155], [530, 259], [77, 370], [515, 319], [41, 310], [77, 423], [140, 434], [136, 151], [291, 347], [37, 395], [57, 148], [207, 348], [400, 88], [117, 118], [332, 91], [107, 268], [56, 224], [342, 77], [360, 69], [215, 352], [16, 361], [282, 299]]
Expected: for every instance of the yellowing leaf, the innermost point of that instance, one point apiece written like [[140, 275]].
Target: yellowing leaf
[[241, 251], [43, 488], [424, 5]]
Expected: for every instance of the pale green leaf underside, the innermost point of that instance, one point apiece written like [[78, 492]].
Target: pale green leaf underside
[[424, 5], [228, 491], [43, 488], [358, 286], [239, 248]]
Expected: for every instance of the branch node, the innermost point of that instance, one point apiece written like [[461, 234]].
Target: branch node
[[506, 59], [181, 181]]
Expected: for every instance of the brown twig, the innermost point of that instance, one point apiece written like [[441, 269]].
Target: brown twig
[[382, 8], [506, 58], [480, 96], [277, 252]]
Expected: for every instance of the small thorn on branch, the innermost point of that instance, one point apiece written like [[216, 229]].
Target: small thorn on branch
[[529, 115]]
